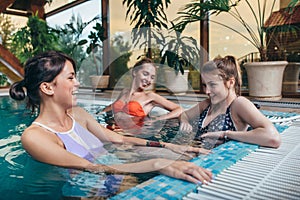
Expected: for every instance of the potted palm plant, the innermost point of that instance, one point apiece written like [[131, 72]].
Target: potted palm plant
[[264, 77], [176, 51], [148, 18], [180, 53]]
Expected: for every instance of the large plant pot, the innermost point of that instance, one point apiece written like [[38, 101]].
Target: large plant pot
[[265, 79], [177, 84], [291, 78], [99, 82]]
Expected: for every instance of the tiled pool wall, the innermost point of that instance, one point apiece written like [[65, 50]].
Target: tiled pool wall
[[164, 187], [223, 156]]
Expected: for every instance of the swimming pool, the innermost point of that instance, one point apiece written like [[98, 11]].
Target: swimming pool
[[16, 171], [22, 177], [14, 119]]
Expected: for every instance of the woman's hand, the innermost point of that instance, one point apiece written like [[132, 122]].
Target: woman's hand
[[217, 137], [185, 127], [185, 149], [184, 170]]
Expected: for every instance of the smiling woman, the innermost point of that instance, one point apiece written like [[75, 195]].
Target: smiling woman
[[225, 114], [134, 104], [67, 136]]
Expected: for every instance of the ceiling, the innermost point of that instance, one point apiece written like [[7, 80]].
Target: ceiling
[[27, 7], [23, 8]]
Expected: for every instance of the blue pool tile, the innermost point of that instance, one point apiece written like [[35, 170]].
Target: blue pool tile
[[164, 187]]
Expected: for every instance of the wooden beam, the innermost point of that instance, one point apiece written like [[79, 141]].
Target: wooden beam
[[105, 23], [11, 60], [17, 13], [65, 7], [204, 43], [5, 4], [37, 6]]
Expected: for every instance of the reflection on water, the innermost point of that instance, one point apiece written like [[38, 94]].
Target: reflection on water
[[42, 181], [24, 178], [13, 121]]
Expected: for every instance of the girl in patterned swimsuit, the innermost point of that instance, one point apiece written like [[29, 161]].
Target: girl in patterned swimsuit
[[225, 114], [65, 135], [137, 103]]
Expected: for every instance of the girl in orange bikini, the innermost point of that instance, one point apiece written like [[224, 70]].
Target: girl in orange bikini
[[134, 104]]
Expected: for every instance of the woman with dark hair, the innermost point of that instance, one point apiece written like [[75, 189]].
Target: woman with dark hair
[[65, 135], [225, 114]]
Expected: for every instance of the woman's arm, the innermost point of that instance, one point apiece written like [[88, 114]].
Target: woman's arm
[[191, 114], [106, 109], [46, 147], [263, 133], [109, 107], [178, 169], [245, 113], [106, 135], [174, 109]]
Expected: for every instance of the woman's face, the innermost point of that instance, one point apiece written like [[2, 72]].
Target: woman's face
[[214, 86], [145, 76], [66, 86]]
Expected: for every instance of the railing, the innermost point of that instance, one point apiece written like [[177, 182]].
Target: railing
[[251, 57]]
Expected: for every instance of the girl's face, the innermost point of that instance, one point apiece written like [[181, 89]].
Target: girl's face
[[66, 85], [214, 86], [145, 76]]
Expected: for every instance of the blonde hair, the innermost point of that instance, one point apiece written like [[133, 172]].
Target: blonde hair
[[139, 65]]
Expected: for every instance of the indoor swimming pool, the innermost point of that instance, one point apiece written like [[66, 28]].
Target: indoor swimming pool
[[21, 178]]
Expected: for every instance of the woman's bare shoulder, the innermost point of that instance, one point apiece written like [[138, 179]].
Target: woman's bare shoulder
[[151, 93], [241, 101], [35, 133], [244, 107], [204, 104], [78, 113]]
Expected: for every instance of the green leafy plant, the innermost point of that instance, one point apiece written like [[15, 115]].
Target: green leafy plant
[[179, 52], [6, 30], [293, 3], [70, 34], [149, 18], [120, 50], [200, 10], [3, 80], [34, 38], [96, 37]]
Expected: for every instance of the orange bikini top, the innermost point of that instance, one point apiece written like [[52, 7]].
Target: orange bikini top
[[133, 108]]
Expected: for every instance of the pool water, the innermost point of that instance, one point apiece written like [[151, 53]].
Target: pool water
[[14, 119], [22, 177]]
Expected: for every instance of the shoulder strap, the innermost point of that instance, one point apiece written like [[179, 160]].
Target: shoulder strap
[[52, 130], [44, 126]]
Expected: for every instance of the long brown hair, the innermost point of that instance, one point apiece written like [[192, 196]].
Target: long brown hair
[[228, 68]]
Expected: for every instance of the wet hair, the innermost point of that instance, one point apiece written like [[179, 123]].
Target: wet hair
[[228, 68], [41, 68], [139, 65]]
